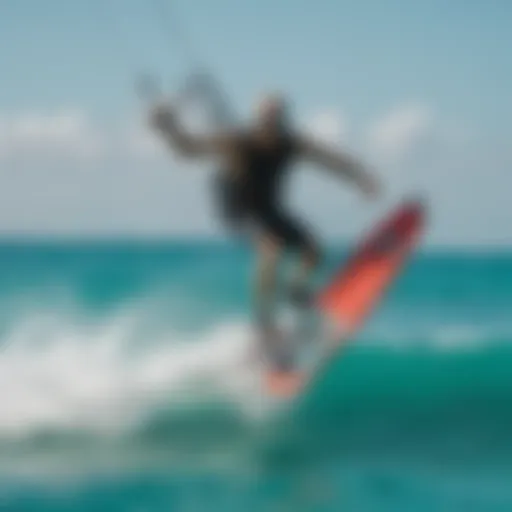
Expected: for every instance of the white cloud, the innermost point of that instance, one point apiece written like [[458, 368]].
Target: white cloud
[[396, 135], [328, 125], [63, 134], [70, 135]]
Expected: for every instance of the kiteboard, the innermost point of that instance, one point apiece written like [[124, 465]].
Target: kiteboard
[[350, 295]]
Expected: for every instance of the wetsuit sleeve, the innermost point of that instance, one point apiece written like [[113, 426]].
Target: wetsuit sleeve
[[338, 162]]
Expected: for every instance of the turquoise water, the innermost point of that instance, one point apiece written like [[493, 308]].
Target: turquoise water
[[125, 384]]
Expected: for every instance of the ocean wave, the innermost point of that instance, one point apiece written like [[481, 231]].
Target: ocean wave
[[123, 388]]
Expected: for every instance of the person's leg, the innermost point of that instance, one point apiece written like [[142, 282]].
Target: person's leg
[[296, 237], [268, 254], [309, 258], [280, 232], [273, 345]]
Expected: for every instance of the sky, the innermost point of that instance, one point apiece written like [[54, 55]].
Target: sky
[[419, 91]]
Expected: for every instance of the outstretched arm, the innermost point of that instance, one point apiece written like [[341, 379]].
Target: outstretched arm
[[164, 120], [339, 163]]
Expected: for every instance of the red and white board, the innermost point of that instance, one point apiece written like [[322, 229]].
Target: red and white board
[[356, 288]]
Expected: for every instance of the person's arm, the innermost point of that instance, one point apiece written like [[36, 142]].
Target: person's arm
[[164, 120], [340, 163]]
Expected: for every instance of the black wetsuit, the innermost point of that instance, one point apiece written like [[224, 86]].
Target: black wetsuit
[[252, 197]]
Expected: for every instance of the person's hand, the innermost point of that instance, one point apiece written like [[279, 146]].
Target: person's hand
[[371, 187]]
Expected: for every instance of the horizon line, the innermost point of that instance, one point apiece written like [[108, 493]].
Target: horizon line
[[138, 239]]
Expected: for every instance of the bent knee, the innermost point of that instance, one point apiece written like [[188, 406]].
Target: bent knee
[[269, 249]]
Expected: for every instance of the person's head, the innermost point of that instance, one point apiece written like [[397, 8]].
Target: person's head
[[271, 113]]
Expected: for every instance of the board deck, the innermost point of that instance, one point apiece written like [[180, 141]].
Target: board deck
[[355, 289]]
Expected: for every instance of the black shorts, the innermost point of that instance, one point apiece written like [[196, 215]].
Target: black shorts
[[241, 213], [282, 227]]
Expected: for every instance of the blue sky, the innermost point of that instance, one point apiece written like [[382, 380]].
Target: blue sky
[[419, 89]]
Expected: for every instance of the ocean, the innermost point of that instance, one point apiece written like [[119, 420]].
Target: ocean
[[126, 385]]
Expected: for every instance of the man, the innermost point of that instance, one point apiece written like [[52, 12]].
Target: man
[[254, 162]]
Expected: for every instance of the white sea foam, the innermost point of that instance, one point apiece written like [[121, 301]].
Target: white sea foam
[[60, 370], [64, 372]]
